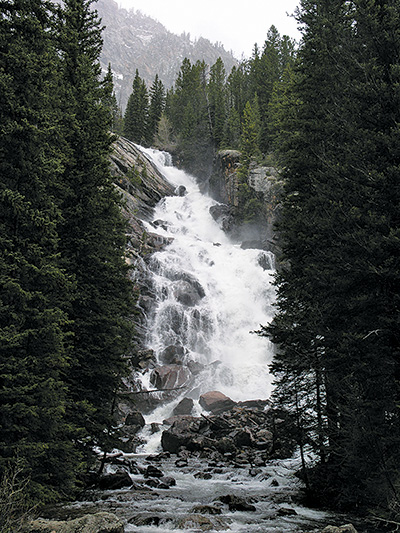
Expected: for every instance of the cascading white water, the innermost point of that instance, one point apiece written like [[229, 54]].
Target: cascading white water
[[211, 293]]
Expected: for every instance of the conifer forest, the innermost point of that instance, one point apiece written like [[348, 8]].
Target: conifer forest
[[325, 112]]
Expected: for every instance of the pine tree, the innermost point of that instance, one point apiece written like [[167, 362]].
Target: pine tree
[[33, 326], [136, 125], [92, 233]]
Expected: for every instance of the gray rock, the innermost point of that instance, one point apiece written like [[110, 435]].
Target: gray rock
[[115, 481], [94, 523], [135, 418], [153, 471], [183, 432], [169, 376], [186, 294], [173, 354], [181, 190], [237, 503], [145, 519], [184, 407], [206, 509], [199, 522]]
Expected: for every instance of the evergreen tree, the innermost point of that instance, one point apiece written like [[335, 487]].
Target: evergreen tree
[[33, 326], [92, 233], [277, 54], [250, 202], [157, 104], [188, 111], [239, 93], [338, 284], [217, 101], [110, 101], [136, 118]]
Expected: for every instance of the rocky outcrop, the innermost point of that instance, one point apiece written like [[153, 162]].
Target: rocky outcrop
[[223, 182], [224, 186], [135, 174], [245, 432], [141, 186], [93, 523]]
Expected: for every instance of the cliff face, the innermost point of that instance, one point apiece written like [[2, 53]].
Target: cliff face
[[224, 186], [135, 41], [141, 186]]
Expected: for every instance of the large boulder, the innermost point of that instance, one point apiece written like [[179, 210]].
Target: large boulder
[[117, 480], [199, 522], [183, 432], [135, 418], [236, 503], [216, 402], [184, 407], [187, 294], [169, 376], [94, 523], [173, 354]]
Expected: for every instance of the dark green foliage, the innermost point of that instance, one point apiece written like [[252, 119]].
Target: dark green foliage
[[206, 109], [217, 101], [136, 118], [188, 111], [34, 342], [110, 102], [337, 323], [92, 233], [266, 75], [157, 104]]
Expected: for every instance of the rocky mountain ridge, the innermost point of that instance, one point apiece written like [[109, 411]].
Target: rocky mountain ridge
[[133, 41]]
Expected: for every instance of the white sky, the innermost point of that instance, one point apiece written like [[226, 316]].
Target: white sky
[[237, 24]]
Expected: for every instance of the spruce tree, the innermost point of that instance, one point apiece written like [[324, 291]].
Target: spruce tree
[[136, 126], [34, 349], [110, 101], [188, 110], [92, 233], [338, 284], [157, 104], [217, 101]]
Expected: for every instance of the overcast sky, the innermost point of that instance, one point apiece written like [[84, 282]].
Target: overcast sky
[[235, 24]]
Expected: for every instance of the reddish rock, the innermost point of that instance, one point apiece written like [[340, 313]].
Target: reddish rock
[[216, 402], [169, 376]]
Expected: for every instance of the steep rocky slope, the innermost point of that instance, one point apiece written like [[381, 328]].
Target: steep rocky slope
[[135, 41]]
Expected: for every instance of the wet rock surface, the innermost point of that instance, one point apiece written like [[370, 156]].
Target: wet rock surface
[[93, 523], [166, 497], [246, 433]]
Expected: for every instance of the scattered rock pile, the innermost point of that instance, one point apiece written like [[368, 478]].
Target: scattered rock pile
[[244, 432]]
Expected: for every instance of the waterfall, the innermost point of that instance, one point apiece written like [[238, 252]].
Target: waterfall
[[210, 294]]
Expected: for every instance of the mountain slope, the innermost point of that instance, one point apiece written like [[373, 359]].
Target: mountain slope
[[135, 41]]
